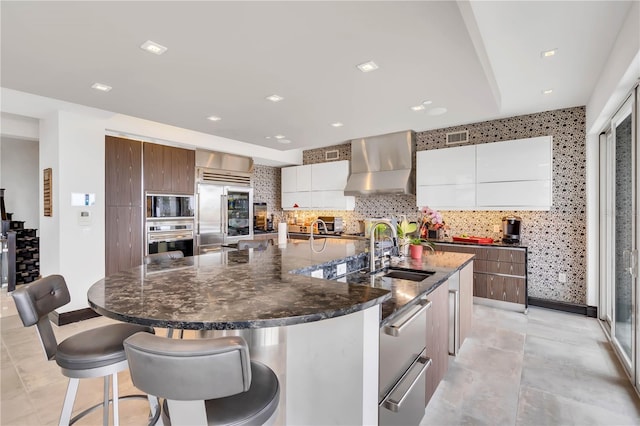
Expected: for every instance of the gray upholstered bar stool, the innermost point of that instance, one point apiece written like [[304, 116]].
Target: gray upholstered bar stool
[[159, 257], [254, 244], [93, 353], [204, 381]]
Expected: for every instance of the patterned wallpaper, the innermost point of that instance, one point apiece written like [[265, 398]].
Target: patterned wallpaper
[[555, 239]]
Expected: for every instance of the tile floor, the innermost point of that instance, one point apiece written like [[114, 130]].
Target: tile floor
[[546, 367]]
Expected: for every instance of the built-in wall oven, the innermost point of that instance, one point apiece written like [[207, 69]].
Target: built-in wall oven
[[169, 223], [169, 235], [403, 367]]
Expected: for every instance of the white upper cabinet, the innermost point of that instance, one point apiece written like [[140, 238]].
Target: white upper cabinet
[[447, 166], [296, 179], [509, 175], [316, 186], [330, 176], [517, 160]]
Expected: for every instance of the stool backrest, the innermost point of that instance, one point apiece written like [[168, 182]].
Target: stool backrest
[[36, 301], [188, 370], [254, 244], [159, 257]]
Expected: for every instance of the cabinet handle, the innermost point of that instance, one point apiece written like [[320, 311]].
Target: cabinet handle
[[395, 329], [395, 404]]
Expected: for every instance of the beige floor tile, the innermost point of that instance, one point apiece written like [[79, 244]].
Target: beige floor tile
[[537, 407]]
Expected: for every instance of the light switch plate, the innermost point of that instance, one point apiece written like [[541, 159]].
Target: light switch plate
[[318, 273], [341, 269], [562, 277]]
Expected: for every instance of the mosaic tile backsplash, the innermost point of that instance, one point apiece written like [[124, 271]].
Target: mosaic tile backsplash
[[555, 239]]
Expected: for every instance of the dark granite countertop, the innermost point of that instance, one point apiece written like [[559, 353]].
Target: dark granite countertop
[[255, 289]]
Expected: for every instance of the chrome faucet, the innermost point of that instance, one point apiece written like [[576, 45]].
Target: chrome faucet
[[324, 225], [372, 243]]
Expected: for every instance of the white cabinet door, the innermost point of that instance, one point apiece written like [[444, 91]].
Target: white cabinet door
[[301, 199], [303, 176], [516, 160], [289, 179], [530, 194], [446, 166], [332, 200], [330, 176], [447, 197]]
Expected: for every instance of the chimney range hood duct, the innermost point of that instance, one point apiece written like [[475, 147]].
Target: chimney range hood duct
[[382, 165]]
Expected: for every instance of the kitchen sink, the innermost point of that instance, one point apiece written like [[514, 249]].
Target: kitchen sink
[[408, 275]]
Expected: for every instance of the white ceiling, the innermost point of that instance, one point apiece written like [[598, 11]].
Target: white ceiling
[[481, 60]]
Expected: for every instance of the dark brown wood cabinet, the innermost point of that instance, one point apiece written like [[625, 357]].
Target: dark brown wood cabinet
[[123, 204], [169, 169], [123, 238], [123, 172], [437, 343], [499, 273]]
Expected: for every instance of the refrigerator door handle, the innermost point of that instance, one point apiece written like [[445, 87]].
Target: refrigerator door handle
[[225, 214]]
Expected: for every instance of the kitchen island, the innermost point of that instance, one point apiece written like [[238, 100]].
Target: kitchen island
[[321, 336]]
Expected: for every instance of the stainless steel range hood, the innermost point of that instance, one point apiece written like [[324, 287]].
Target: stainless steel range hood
[[382, 165]]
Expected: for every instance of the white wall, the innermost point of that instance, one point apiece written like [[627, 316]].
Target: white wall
[[618, 76], [19, 177], [72, 145]]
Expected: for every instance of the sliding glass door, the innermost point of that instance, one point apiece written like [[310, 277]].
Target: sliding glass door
[[624, 233], [619, 173]]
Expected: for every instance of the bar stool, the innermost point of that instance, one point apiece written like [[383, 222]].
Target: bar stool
[[159, 257], [204, 381], [98, 352]]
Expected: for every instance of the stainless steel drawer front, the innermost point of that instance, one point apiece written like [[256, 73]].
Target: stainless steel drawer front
[[400, 344]]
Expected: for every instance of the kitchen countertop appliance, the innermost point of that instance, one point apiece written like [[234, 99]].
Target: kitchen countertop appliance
[[260, 217], [335, 224], [224, 200], [511, 229]]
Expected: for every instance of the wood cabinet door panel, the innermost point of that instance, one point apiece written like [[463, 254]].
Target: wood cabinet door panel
[[182, 170], [506, 268], [480, 265], [480, 285], [506, 255], [123, 238], [123, 172], [437, 339], [514, 289]]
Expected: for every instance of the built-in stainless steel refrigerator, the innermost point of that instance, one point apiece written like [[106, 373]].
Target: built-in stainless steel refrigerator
[[223, 215]]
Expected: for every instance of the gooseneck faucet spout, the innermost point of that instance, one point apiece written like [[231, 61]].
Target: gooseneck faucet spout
[[324, 225], [372, 242]]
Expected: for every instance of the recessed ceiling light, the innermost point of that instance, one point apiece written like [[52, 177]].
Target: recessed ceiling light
[[279, 136], [368, 66], [153, 47], [267, 137], [437, 111], [101, 87], [337, 124], [284, 141], [549, 53], [427, 102], [275, 98], [547, 91], [214, 118], [418, 107]]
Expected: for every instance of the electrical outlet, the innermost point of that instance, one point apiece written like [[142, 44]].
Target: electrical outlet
[[341, 269], [318, 273], [496, 228], [562, 277]]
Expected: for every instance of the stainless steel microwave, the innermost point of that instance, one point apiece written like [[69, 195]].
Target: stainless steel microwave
[[164, 205]]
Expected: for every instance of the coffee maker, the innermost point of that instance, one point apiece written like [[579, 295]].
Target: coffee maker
[[511, 226]]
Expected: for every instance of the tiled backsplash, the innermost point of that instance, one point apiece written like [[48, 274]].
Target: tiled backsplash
[[555, 239]]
